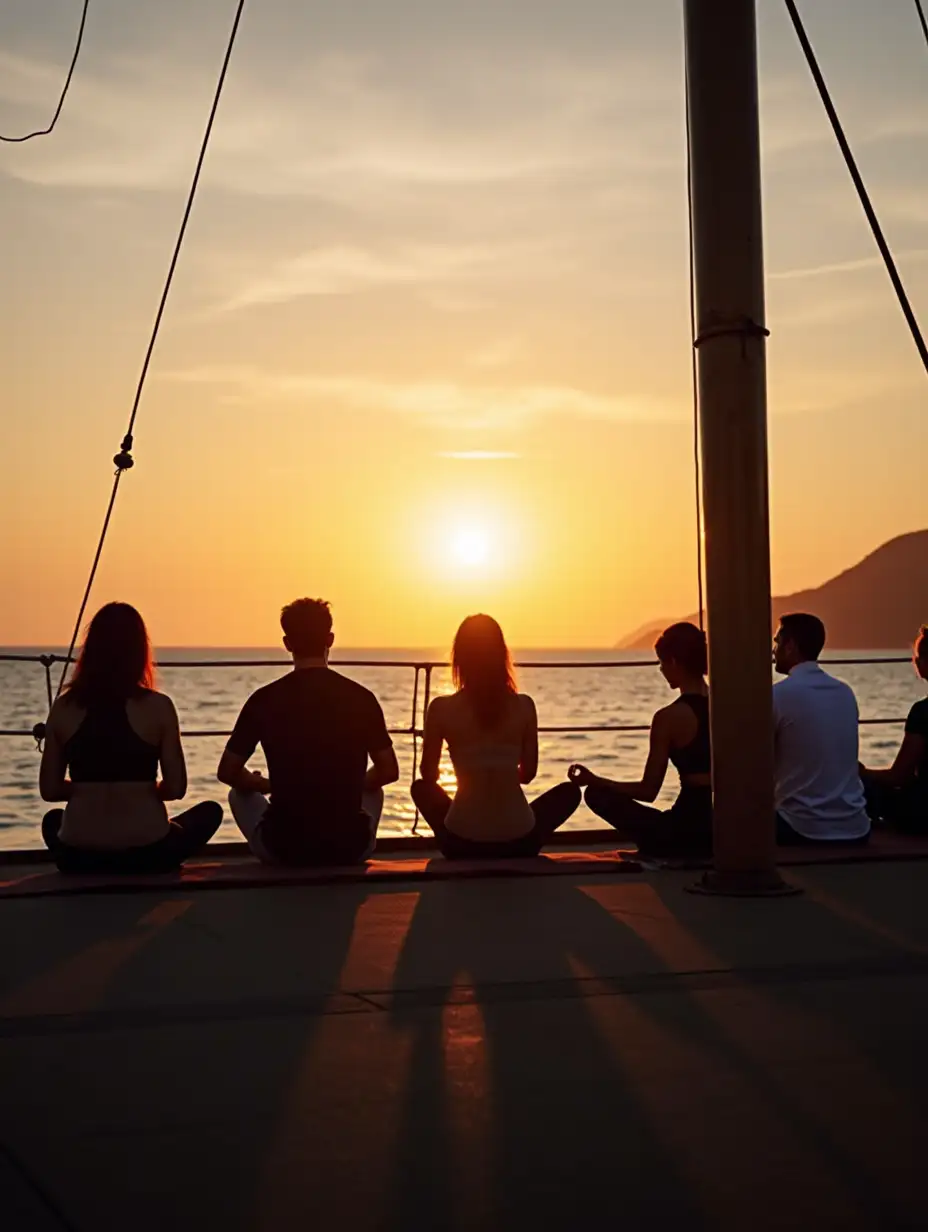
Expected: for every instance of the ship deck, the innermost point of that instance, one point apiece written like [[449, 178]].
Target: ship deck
[[467, 1052]]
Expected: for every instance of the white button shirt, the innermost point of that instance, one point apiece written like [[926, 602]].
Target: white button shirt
[[818, 788]]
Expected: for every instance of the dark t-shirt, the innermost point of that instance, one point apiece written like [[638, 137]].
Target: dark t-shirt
[[917, 725], [316, 728]]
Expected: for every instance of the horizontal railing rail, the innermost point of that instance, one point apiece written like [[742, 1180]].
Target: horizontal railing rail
[[421, 663], [427, 666]]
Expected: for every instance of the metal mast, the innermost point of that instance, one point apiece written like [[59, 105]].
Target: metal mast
[[721, 58]]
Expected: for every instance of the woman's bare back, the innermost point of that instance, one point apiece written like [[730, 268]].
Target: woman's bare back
[[489, 804]]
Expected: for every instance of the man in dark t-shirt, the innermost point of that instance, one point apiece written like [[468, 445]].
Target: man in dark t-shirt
[[317, 730]]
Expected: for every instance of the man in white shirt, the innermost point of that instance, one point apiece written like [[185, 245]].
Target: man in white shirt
[[819, 795]]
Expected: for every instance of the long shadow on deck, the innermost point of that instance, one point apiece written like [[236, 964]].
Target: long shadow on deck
[[516, 1113], [172, 1124], [829, 1060]]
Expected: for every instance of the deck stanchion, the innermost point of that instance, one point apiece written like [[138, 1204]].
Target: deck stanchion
[[426, 697], [426, 692], [415, 738], [47, 661], [721, 57]]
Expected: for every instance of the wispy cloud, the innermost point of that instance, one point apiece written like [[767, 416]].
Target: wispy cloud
[[343, 270], [479, 455], [861, 264], [443, 403], [338, 127]]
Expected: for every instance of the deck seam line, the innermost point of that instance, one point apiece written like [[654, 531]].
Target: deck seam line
[[907, 965]]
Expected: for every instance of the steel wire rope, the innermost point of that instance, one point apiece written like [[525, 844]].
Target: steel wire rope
[[921, 18], [123, 460], [859, 184], [44, 132]]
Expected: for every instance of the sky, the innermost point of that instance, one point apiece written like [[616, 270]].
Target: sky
[[427, 350]]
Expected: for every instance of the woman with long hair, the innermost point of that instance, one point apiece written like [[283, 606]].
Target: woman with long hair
[[679, 735], [492, 735], [898, 794], [105, 739]]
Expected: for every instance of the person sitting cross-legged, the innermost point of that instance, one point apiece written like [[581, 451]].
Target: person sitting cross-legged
[[817, 789], [317, 729], [492, 735], [898, 794], [107, 737], [679, 734]]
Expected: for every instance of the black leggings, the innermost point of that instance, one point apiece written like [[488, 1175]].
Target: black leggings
[[188, 834], [903, 808], [685, 829], [551, 810]]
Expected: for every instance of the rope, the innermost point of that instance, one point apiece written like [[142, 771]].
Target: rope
[[862, 193], [123, 460], [44, 132], [921, 18], [697, 460]]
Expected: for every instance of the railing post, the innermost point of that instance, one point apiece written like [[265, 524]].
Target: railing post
[[47, 661], [427, 692], [426, 697], [415, 739]]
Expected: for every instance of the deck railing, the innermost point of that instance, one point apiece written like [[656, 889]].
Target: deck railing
[[421, 692], [422, 683]]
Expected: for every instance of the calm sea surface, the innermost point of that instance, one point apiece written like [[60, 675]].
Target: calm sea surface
[[208, 699]]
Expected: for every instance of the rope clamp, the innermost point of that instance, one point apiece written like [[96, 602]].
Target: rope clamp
[[744, 328], [124, 460]]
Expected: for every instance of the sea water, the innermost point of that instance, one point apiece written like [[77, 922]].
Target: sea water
[[582, 694]]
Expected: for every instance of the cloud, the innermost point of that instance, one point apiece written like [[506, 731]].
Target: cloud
[[344, 269], [861, 264], [340, 127], [441, 403], [478, 455]]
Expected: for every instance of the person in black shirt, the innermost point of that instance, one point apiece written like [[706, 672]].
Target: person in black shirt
[[898, 795], [679, 736], [317, 729]]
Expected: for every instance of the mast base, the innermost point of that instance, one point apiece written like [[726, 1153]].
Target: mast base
[[763, 883]]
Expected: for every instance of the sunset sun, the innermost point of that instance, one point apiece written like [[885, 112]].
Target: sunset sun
[[470, 546]]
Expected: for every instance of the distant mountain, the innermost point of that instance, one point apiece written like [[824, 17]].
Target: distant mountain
[[877, 604]]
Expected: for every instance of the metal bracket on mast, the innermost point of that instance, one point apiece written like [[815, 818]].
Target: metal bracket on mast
[[743, 327]]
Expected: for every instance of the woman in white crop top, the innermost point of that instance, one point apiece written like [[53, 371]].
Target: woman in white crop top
[[492, 735]]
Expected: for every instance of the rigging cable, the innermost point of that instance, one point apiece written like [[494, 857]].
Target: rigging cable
[[921, 18], [123, 460], [855, 175], [697, 461], [44, 132]]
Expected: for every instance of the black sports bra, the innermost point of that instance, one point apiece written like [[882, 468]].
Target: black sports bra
[[107, 749], [695, 757]]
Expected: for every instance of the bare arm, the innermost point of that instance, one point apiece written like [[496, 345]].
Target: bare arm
[[647, 787], [54, 786], [432, 741], [903, 769], [528, 759], [385, 769], [234, 772], [173, 785], [246, 736]]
